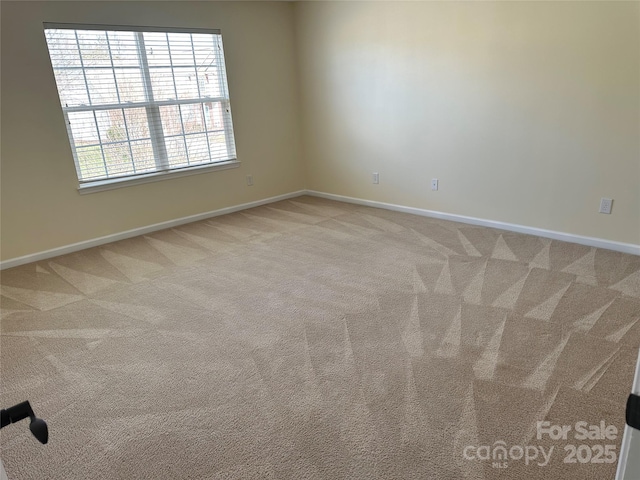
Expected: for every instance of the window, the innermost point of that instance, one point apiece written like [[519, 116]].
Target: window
[[141, 101]]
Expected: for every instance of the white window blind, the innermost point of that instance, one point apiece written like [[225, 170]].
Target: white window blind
[[141, 100]]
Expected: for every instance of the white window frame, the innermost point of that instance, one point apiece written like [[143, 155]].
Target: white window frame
[[163, 170]]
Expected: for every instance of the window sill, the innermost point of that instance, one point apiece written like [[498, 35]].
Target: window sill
[[113, 183]]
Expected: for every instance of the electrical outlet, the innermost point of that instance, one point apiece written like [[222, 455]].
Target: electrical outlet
[[249, 180], [605, 205], [434, 184], [376, 178]]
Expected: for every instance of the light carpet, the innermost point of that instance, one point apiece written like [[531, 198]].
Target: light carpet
[[312, 339]]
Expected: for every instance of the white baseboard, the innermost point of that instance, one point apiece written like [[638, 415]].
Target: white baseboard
[[74, 247], [512, 227], [566, 237]]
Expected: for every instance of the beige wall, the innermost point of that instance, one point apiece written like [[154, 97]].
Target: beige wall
[[528, 113], [41, 207]]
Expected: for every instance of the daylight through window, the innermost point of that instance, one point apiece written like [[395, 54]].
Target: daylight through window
[[140, 100]]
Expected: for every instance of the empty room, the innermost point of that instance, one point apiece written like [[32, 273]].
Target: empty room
[[320, 240]]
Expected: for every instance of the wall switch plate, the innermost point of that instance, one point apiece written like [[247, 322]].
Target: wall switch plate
[[434, 184], [376, 178], [605, 205], [249, 180]]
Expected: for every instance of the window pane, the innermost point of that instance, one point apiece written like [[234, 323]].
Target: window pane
[[83, 128], [102, 86], [180, 47], [71, 88], [186, 82], [197, 148], [218, 146], [176, 152], [130, 85], [203, 46], [209, 84], [90, 162], [192, 118], [162, 84], [171, 124], [143, 156], [231, 149], [111, 126], [124, 49], [118, 159], [157, 49], [94, 48], [137, 122], [63, 48], [213, 116]]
